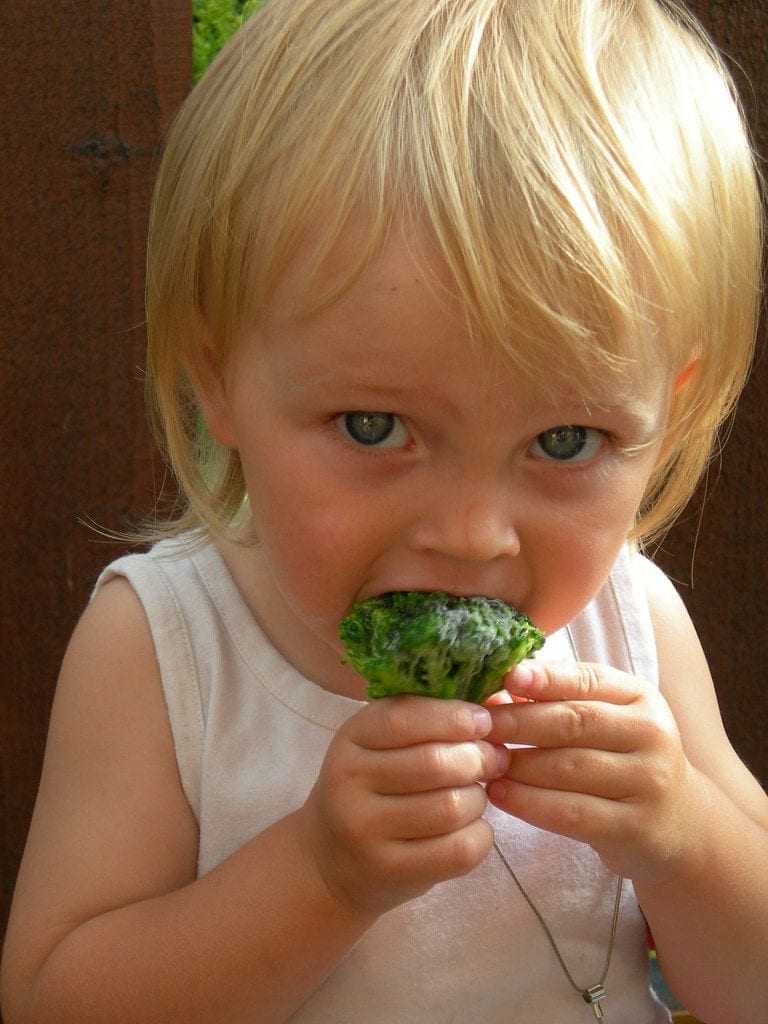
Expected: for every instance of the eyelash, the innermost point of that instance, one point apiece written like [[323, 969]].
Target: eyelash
[[392, 424], [588, 440]]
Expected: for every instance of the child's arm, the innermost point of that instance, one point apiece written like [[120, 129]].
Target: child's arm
[[664, 800], [710, 918], [109, 923]]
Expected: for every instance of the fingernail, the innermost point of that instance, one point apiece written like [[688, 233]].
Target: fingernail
[[483, 721], [503, 758], [524, 676]]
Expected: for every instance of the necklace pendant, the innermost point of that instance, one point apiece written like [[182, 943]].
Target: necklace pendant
[[594, 997]]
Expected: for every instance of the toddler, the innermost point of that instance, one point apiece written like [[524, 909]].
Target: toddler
[[442, 295]]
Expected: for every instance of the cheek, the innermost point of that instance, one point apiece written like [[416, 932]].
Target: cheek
[[572, 559], [317, 541], [296, 527], [565, 583]]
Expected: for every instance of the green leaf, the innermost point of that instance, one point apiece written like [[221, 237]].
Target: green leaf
[[213, 22]]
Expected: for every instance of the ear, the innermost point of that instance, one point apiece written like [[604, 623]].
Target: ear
[[211, 392], [681, 381], [685, 375]]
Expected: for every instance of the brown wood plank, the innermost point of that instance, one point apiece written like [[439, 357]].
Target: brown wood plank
[[85, 94], [719, 553]]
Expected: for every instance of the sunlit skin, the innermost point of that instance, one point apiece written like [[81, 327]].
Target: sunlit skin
[[383, 451], [460, 495]]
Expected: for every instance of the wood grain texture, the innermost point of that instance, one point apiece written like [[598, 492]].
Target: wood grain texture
[[85, 95], [718, 552]]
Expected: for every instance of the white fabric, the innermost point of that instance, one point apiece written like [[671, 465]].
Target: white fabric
[[251, 734]]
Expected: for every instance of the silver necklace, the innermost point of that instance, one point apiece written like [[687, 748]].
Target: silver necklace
[[593, 995]]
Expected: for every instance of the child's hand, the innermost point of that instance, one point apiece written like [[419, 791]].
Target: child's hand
[[605, 764], [397, 806]]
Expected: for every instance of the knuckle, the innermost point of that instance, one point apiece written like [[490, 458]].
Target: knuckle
[[587, 679], [476, 761], [570, 763], [453, 764], [487, 762], [575, 719], [470, 846], [396, 718], [461, 720], [667, 732], [657, 782], [460, 806], [652, 733], [451, 805], [661, 774], [433, 760], [658, 731], [571, 814]]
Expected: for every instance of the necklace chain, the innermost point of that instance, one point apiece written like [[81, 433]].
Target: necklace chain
[[593, 994]]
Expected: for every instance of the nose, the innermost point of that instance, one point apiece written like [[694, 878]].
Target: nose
[[468, 522]]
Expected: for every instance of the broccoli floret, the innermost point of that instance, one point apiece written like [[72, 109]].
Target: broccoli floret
[[435, 644]]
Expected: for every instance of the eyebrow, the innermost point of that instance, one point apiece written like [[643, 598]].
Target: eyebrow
[[641, 418], [315, 381], [350, 378]]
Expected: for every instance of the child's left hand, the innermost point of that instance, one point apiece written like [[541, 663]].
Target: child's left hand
[[602, 762]]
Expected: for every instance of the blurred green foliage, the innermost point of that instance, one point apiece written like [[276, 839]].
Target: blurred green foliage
[[213, 22]]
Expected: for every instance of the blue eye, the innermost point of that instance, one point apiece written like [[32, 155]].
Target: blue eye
[[374, 429], [568, 444]]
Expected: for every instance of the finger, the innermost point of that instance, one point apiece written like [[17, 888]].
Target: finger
[[584, 817], [427, 815], [574, 723], [438, 858], [408, 720], [557, 681], [592, 772], [500, 697], [431, 766]]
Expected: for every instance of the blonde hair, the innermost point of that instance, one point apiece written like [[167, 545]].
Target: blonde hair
[[582, 164]]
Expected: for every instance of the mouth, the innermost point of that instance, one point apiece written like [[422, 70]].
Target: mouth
[[388, 596]]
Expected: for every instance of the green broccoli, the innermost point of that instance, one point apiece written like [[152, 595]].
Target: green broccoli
[[435, 644]]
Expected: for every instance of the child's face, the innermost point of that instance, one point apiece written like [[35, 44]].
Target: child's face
[[383, 451]]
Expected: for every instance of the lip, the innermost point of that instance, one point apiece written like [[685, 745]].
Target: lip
[[460, 593]]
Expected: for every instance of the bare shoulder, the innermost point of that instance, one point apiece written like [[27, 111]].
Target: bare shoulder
[[109, 693], [677, 641], [686, 683], [111, 824]]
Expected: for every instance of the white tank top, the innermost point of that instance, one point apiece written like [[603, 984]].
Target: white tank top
[[470, 951]]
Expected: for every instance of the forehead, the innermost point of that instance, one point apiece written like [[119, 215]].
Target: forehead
[[403, 281], [399, 324]]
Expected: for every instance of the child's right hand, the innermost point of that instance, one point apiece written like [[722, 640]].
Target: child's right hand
[[398, 806]]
